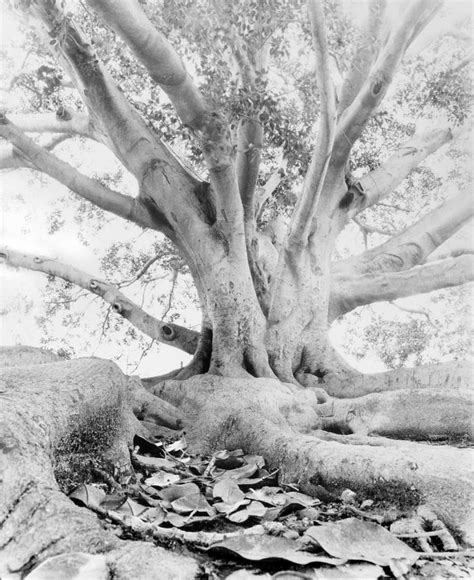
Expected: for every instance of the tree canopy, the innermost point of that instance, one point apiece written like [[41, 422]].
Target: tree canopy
[[220, 43]]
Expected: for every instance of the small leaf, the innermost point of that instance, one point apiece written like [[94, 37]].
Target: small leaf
[[90, 496], [162, 479], [228, 491]]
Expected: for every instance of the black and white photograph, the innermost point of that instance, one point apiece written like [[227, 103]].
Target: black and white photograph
[[236, 290]]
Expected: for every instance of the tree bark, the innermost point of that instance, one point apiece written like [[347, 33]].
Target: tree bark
[[55, 408]]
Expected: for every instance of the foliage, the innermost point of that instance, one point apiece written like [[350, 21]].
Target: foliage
[[285, 103]]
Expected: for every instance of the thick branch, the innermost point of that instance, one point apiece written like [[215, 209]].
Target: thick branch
[[166, 68], [364, 55], [65, 120], [412, 246], [307, 203], [358, 291], [168, 333], [157, 55], [355, 117], [380, 182], [90, 189]]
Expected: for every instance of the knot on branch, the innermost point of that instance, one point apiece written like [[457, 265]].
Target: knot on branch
[[3, 118], [355, 192], [63, 114], [37, 260], [117, 307], [167, 332], [3, 255]]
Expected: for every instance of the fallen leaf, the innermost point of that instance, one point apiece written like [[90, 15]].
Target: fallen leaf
[[147, 446], [228, 490], [155, 462], [130, 507], [301, 498], [354, 539], [267, 495], [90, 496], [155, 515], [262, 547], [258, 460], [162, 479], [195, 502], [176, 446], [228, 508], [179, 521], [174, 492], [113, 501], [240, 472]]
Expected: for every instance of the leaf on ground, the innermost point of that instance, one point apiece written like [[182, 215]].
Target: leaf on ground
[[155, 462], [228, 490], [130, 507], [239, 473], [257, 547], [258, 460], [228, 459], [228, 508], [146, 446], [269, 495], [71, 566], [162, 479], [354, 539], [113, 501], [261, 478], [195, 502], [179, 521], [301, 498], [90, 496], [155, 515], [174, 492], [177, 446]]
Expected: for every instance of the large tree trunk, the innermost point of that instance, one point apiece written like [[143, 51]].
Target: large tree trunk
[[49, 412]]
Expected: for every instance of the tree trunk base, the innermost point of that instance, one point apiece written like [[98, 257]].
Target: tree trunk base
[[55, 410], [282, 423]]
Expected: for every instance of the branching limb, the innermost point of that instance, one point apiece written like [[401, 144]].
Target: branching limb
[[352, 122], [171, 334], [364, 55], [65, 120], [90, 189], [165, 67], [157, 55], [380, 182], [348, 294], [412, 246], [307, 203]]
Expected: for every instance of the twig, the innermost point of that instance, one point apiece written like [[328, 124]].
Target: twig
[[143, 271]]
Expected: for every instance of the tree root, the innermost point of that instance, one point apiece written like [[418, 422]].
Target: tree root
[[49, 409], [280, 422]]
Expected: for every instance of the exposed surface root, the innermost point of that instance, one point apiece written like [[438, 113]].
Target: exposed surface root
[[78, 406], [281, 422]]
